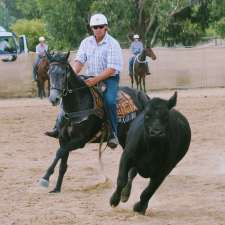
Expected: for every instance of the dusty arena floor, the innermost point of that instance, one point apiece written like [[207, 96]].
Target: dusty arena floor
[[193, 194]]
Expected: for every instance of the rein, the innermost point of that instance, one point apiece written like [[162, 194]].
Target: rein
[[138, 60]]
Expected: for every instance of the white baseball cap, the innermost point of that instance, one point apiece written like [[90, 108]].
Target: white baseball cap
[[41, 38], [98, 19], [136, 36]]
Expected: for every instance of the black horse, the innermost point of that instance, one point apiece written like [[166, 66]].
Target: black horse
[[83, 122]]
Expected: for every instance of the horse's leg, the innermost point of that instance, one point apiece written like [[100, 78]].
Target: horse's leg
[[144, 83], [42, 88], [62, 171], [139, 81], [127, 189], [136, 80], [45, 179], [61, 153], [39, 89], [48, 80], [132, 80], [43, 85]]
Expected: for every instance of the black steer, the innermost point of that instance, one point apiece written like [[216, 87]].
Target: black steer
[[157, 140]]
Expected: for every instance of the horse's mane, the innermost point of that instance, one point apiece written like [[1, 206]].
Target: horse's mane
[[58, 57]]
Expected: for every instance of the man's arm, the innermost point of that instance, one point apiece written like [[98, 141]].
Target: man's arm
[[102, 76], [77, 67]]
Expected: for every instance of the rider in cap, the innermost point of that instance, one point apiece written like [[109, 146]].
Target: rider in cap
[[136, 48], [40, 53]]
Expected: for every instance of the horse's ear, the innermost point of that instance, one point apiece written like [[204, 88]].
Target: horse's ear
[[67, 55], [49, 57], [147, 44]]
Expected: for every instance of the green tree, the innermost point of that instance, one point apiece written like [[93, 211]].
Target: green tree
[[147, 18], [28, 9], [66, 21], [216, 18], [33, 29], [220, 27], [162, 21], [6, 18]]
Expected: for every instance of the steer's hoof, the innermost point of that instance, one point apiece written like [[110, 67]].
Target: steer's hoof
[[139, 208], [124, 198], [115, 199], [44, 183], [126, 193]]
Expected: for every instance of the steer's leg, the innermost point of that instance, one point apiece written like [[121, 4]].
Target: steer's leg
[[142, 205], [62, 171], [127, 189], [122, 178]]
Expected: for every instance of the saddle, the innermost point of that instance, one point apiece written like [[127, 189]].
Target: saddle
[[126, 111]]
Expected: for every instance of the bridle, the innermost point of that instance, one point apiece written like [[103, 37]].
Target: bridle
[[138, 60], [66, 90]]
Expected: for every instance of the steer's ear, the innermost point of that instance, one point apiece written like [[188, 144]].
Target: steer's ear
[[172, 101]]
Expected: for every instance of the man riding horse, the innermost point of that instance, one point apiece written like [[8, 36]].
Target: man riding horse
[[103, 56], [41, 48], [136, 48]]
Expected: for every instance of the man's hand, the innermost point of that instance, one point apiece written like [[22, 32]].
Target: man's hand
[[91, 81]]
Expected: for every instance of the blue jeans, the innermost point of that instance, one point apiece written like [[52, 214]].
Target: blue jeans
[[131, 62], [35, 66], [110, 97]]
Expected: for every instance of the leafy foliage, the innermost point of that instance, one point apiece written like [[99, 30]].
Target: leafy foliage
[[33, 29], [162, 21]]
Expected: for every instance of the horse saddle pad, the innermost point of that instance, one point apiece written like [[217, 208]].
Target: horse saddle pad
[[125, 104]]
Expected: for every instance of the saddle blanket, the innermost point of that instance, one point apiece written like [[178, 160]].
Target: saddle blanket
[[126, 109]]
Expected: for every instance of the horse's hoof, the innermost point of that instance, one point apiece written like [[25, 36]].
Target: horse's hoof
[[44, 183], [54, 191]]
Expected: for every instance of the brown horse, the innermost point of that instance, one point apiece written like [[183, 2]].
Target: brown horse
[[42, 76], [139, 67]]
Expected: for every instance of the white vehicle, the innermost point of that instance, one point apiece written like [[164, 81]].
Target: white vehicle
[[11, 45], [15, 66]]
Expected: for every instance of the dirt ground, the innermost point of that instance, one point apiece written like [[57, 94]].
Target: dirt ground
[[193, 194]]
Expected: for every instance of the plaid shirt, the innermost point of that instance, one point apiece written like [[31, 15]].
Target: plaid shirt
[[136, 47], [99, 56], [41, 48]]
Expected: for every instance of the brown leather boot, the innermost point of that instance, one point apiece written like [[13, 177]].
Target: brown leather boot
[[54, 133]]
